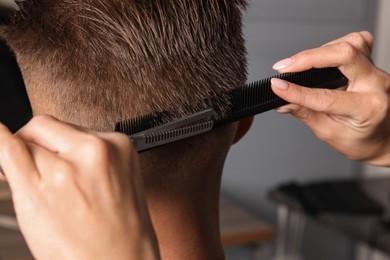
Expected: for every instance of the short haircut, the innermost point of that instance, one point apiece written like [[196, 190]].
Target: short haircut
[[104, 61]]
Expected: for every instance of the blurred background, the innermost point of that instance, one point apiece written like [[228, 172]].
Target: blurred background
[[278, 148]]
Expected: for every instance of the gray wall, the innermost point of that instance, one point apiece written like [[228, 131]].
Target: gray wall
[[279, 148]]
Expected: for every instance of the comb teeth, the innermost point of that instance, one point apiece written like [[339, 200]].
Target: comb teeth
[[135, 125], [148, 141], [261, 92], [141, 123], [251, 99], [258, 97]]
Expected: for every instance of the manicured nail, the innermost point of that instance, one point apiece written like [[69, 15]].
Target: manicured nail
[[283, 110], [286, 109], [283, 64], [280, 84]]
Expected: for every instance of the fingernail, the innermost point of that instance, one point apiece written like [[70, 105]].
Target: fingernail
[[283, 110], [286, 109], [283, 64], [280, 84]]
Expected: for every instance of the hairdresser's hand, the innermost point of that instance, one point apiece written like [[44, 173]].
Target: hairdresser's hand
[[355, 120], [77, 194]]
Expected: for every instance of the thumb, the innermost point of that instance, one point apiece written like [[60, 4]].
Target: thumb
[[336, 102]]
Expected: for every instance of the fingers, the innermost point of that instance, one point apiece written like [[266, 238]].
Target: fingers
[[343, 55], [16, 161], [351, 53], [49, 165], [363, 41], [307, 116], [52, 134], [320, 100]]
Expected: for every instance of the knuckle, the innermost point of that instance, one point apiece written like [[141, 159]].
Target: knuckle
[[96, 148], [303, 114], [347, 51], [330, 100], [62, 173], [300, 96], [380, 79], [375, 109], [367, 36], [358, 39], [379, 107], [303, 55], [385, 78], [40, 120]]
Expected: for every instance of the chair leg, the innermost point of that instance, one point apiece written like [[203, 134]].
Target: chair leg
[[282, 233], [297, 230], [290, 233]]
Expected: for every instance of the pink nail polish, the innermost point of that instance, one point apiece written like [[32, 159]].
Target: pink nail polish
[[287, 109], [283, 64], [278, 83], [283, 110]]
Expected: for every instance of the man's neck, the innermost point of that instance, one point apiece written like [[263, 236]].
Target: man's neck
[[187, 227], [182, 184]]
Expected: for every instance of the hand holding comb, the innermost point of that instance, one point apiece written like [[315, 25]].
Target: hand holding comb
[[147, 132]]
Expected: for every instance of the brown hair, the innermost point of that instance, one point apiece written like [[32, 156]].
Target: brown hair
[[103, 61]]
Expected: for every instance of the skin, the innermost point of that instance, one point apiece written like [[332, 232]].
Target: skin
[[50, 166], [354, 120], [48, 172], [77, 194], [189, 210]]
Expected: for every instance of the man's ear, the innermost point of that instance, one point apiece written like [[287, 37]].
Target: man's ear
[[243, 126]]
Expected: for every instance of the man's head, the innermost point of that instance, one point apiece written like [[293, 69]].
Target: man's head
[[97, 62]]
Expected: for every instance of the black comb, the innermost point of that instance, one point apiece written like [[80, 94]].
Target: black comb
[[142, 123], [258, 97], [249, 100]]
